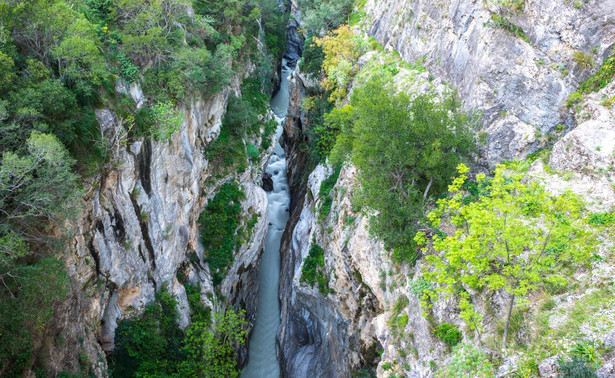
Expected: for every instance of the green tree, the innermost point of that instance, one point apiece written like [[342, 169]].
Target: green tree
[[211, 352], [35, 189], [405, 148], [515, 238], [324, 15], [28, 295]]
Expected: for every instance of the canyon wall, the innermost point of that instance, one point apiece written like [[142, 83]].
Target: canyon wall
[[520, 83]]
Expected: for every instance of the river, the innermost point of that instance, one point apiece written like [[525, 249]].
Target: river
[[263, 361]]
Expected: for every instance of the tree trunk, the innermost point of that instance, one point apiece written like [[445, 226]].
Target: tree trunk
[[512, 302], [427, 190]]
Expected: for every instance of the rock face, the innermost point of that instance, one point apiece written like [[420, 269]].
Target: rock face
[[519, 85], [139, 228]]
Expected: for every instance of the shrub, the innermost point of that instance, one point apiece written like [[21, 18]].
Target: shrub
[[312, 59], [167, 120], [200, 313], [576, 367], [498, 21], [448, 333], [253, 153], [467, 361], [325, 189], [583, 60], [218, 228], [312, 271], [149, 344], [152, 344], [600, 219]]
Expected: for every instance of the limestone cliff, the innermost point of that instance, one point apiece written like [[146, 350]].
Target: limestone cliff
[[139, 228], [520, 81]]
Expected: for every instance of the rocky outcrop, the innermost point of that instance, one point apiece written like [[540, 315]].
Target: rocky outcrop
[[519, 81], [139, 228]]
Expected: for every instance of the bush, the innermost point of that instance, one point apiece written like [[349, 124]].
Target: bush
[[152, 344], [312, 59], [506, 24], [601, 219], [583, 60], [312, 270], [200, 313], [325, 189], [149, 344], [448, 333], [467, 361], [218, 228], [576, 367], [167, 120], [243, 118]]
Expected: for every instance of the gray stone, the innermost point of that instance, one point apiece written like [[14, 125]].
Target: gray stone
[[609, 341], [607, 370], [548, 367], [508, 366]]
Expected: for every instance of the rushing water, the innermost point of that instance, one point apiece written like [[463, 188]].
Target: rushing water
[[263, 361]]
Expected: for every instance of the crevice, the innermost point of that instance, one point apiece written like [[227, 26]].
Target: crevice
[[144, 164], [145, 235], [94, 254]]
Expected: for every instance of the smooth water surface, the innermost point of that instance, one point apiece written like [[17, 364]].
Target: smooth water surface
[[263, 361]]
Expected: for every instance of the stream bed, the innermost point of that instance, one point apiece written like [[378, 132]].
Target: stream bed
[[263, 361]]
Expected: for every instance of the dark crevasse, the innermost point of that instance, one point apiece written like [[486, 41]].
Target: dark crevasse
[[263, 361]]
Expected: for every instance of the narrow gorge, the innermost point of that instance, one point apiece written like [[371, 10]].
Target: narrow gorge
[[307, 188]]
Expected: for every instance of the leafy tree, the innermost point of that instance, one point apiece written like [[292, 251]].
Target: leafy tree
[[211, 352], [516, 238], [313, 58], [324, 15], [28, 295], [35, 189], [342, 48], [167, 120], [405, 148]]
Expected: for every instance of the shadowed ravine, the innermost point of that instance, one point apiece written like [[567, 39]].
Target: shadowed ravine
[[263, 361]]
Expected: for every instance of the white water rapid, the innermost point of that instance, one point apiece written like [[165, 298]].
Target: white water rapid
[[263, 361]]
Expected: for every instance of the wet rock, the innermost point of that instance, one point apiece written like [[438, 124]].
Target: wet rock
[[294, 44], [267, 182]]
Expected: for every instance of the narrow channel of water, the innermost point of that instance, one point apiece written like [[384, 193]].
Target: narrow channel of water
[[263, 361]]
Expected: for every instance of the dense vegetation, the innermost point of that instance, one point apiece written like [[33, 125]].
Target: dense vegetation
[[245, 119], [406, 148], [153, 345], [486, 239], [313, 269], [218, 225]]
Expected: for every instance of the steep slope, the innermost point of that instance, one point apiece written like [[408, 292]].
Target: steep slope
[[517, 63]]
